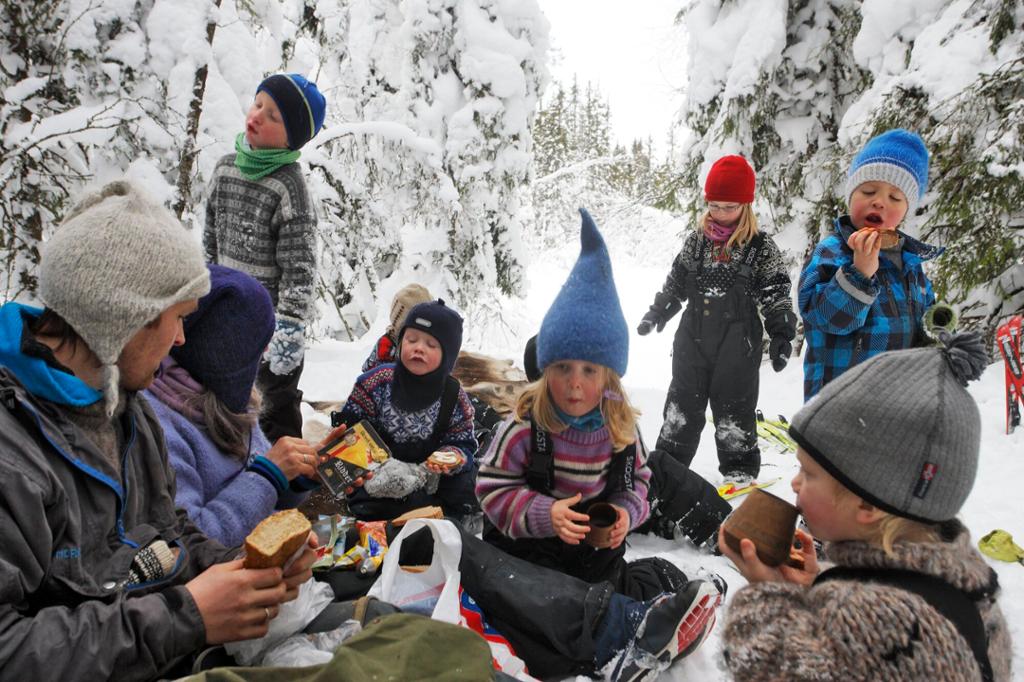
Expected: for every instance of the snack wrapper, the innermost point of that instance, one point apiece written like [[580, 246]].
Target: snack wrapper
[[369, 553], [358, 450]]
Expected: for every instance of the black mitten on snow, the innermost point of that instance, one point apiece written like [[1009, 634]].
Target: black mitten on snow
[[662, 310], [779, 350]]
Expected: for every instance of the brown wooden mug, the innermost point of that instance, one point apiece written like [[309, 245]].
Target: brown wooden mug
[[767, 521], [602, 519]]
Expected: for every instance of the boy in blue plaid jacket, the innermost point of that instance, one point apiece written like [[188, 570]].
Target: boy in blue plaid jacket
[[864, 291]]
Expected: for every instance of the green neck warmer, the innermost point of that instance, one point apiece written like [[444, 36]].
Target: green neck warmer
[[253, 164]]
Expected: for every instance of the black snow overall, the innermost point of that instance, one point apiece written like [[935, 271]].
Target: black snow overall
[[716, 358]]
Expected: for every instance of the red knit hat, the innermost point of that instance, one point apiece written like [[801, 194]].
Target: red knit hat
[[731, 179]]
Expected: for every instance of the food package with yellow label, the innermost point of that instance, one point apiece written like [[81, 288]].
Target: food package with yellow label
[[358, 450]]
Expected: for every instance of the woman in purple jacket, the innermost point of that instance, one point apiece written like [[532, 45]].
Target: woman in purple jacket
[[229, 476]]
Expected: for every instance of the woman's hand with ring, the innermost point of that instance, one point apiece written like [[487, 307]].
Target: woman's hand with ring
[[294, 457]]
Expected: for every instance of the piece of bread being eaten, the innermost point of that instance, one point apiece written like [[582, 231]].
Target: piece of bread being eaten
[[276, 538], [887, 238]]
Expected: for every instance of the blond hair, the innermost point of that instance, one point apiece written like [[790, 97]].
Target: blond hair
[[745, 230], [535, 403], [890, 529]]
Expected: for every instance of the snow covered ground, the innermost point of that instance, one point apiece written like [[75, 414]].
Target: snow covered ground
[[641, 258]]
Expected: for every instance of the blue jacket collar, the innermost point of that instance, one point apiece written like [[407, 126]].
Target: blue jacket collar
[[35, 375]]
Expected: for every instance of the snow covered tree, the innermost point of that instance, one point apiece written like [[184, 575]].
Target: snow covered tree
[[422, 169], [69, 103], [424, 163]]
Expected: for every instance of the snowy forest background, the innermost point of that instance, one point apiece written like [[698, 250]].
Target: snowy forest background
[[449, 156]]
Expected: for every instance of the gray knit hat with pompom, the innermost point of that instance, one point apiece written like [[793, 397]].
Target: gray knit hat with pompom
[[900, 430], [117, 261]]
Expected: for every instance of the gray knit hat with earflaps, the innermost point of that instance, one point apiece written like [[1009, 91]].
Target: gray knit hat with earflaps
[[117, 261], [900, 430]]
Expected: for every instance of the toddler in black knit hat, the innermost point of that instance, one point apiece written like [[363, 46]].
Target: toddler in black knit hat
[[425, 418]]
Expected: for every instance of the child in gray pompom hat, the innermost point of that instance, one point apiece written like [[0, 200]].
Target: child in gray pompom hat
[[883, 474]]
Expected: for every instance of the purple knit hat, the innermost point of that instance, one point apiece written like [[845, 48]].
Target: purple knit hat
[[226, 336]]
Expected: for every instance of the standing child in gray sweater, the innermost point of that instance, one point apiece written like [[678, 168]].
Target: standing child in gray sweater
[[259, 220]]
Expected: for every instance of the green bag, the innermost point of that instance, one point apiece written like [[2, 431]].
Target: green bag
[[400, 646], [1000, 545]]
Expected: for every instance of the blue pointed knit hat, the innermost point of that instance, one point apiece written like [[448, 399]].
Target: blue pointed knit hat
[[898, 157], [585, 322]]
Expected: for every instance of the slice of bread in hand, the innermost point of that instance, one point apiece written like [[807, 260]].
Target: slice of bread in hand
[[276, 538]]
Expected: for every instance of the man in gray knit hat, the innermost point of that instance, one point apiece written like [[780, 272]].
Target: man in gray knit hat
[[91, 544]]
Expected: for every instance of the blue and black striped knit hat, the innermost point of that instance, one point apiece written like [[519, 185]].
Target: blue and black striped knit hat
[[301, 104], [586, 322]]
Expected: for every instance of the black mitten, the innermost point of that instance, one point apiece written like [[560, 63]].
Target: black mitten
[[650, 321], [779, 350], [781, 324], [662, 310]]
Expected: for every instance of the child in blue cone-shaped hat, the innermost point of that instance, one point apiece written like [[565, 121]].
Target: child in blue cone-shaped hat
[[573, 443]]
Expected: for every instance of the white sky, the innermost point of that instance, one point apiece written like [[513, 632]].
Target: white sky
[[632, 51]]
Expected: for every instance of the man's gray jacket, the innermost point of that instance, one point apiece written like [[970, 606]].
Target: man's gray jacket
[[69, 529]]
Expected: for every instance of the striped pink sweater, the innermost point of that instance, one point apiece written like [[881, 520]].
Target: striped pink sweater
[[581, 462]]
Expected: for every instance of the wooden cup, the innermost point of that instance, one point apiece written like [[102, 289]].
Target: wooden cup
[[602, 518], [767, 521]]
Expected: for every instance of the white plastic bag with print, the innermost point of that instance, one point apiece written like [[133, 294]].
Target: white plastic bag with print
[[435, 592]]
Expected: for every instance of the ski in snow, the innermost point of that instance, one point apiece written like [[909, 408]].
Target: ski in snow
[[775, 431], [729, 490]]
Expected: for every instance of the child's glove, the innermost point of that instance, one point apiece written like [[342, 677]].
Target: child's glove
[[781, 327], [779, 350], [395, 479], [649, 322], [662, 310], [286, 348]]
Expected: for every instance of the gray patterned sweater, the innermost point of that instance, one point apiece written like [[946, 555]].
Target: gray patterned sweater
[[851, 630], [266, 228]]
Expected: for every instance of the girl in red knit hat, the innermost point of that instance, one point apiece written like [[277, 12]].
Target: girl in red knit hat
[[728, 271]]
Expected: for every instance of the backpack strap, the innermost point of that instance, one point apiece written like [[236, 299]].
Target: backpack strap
[[700, 250], [449, 397], [540, 471], [621, 471], [953, 603]]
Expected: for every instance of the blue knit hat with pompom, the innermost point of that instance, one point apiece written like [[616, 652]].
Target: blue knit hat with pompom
[[585, 322]]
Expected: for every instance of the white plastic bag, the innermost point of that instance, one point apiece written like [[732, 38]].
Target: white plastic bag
[[293, 616], [436, 591], [314, 649], [433, 592]]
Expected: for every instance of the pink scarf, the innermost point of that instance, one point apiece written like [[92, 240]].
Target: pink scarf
[[174, 386], [717, 232]]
